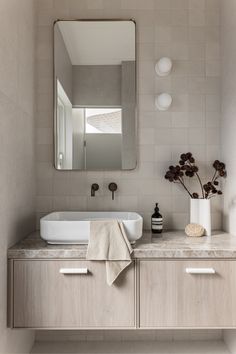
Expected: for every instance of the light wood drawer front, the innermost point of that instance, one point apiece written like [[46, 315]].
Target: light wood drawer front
[[44, 297], [171, 297]]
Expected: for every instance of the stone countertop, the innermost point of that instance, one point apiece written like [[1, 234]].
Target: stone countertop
[[173, 244]]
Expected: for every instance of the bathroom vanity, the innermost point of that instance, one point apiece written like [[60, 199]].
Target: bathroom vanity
[[174, 282]]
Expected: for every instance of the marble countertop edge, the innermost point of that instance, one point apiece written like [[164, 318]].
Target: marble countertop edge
[[172, 244]]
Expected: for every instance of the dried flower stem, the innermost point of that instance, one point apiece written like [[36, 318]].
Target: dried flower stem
[[182, 183], [214, 176], [199, 180]]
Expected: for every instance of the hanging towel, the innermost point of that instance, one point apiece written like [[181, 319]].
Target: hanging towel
[[108, 242]]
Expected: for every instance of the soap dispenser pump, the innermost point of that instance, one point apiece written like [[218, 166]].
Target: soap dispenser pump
[[157, 221]]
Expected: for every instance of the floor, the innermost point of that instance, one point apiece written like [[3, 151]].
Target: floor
[[93, 347]]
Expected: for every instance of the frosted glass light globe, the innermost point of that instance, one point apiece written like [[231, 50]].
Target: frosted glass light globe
[[163, 66], [163, 101]]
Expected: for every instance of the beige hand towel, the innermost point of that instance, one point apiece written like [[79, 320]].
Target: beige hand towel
[[108, 242]]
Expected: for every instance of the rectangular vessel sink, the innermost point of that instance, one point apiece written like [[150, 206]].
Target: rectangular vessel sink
[[74, 227]]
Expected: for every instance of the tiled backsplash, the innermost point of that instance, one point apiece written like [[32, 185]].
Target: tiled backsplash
[[17, 146], [188, 32]]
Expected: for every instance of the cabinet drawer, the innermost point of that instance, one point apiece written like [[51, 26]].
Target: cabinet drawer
[[46, 296], [187, 293]]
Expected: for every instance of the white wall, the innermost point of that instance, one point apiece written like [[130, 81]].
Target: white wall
[[96, 85], [229, 336], [129, 130], [63, 66], [228, 140], [17, 152], [78, 138], [103, 151], [228, 125]]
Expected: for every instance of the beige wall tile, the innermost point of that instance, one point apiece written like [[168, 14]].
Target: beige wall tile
[[197, 136], [180, 51], [163, 4], [179, 4], [179, 33], [197, 34], [197, 103], [197, 52], [179, 136], [212, 33], [180, 119], [213, 103], [212, 51], [162, 34], [17, 181], [179, 17], [163, 17], [213, 68], [145, 51], [197, 119], [213, 17], [197, 4], [197, 17], [188, 32]]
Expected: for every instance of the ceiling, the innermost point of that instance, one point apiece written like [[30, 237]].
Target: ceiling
[[107, 122], [99, 42]]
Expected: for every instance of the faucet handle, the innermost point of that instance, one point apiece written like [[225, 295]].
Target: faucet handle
[[94, 188], [113, 187]]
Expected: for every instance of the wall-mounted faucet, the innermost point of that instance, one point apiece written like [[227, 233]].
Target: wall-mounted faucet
[[94, 188], [112, 187]]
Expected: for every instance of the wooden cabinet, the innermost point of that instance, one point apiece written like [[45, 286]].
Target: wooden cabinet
[[180, 293], [73, 294], [46, 295]]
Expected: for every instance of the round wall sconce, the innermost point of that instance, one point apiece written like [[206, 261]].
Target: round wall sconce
[[163, 101], [163, 66]]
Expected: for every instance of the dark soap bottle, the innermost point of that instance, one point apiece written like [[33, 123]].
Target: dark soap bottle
[[157, 221]]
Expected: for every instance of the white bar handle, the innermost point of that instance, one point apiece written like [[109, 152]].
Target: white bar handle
[[74, 270], [200, 270]]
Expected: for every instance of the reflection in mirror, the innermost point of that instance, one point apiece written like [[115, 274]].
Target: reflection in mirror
[[95, 95]]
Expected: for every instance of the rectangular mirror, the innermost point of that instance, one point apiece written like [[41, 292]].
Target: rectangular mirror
[[95, 95]]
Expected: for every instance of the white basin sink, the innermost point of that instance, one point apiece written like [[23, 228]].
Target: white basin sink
[[74, 227]]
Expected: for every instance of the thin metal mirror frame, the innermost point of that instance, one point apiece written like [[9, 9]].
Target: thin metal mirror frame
[[55, 92]]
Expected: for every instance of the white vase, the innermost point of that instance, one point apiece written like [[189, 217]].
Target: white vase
[[200, 213]]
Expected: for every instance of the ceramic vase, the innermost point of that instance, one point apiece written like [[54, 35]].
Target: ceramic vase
[[200, 213]]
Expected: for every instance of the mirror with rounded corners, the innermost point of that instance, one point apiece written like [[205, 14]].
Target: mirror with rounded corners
[[94, 95]]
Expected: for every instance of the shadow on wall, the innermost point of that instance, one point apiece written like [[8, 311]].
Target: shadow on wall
[[230, 217]]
